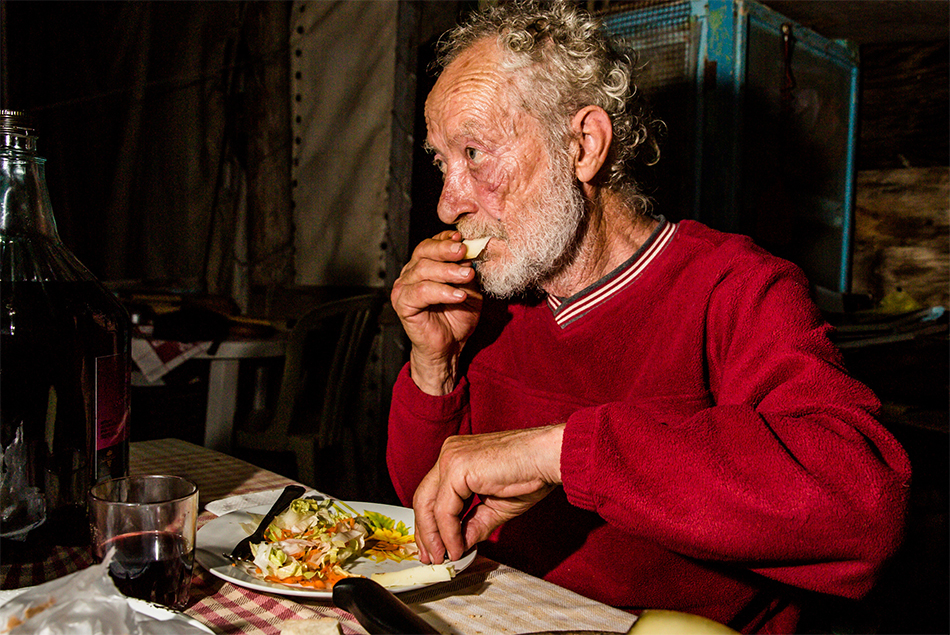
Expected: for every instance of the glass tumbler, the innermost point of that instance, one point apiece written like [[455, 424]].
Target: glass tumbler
[[150, 522]]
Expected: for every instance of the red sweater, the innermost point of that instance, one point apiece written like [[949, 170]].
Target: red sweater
[[712, 437]]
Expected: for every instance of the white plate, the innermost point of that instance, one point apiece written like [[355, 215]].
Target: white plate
[[219, 536]]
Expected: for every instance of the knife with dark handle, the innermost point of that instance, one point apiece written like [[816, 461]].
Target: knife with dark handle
[[377, 609], [242, 550]]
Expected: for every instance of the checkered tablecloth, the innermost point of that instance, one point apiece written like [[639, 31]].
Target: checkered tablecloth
[[484, 598]]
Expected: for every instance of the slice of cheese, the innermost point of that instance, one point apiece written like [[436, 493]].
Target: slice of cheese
[[424, 574], [474, 246]]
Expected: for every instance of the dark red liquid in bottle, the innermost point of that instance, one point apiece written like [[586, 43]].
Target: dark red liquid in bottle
[[64, 385]]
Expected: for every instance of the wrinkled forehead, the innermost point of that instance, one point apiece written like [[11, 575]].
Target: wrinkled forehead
[[472, 84]]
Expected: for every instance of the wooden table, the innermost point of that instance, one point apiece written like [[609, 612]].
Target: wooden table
[[485, 598]]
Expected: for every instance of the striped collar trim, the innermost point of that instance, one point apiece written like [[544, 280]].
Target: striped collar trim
[[569, 309]]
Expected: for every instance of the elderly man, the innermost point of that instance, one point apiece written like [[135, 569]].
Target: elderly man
[[649, 413]]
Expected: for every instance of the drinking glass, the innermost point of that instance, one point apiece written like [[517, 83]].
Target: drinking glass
[[150, 522]]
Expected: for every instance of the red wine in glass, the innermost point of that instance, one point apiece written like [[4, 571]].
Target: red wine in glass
[[153, 566]]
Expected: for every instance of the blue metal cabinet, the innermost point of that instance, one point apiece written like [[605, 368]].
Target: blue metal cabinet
[[762, 123]]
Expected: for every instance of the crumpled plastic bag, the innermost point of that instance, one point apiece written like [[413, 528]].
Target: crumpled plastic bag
[[22, 506], [86, 602]]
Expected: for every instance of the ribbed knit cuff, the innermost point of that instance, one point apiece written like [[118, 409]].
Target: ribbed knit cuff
[[576, 468], [428, 407]]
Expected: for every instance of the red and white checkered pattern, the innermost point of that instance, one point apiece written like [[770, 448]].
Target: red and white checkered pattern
[[485, 598]]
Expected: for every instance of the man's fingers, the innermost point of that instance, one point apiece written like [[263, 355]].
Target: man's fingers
[[429, 542], [449, 505], [440, 249], [439, 271], [480, 524], [426, 529], [421, 297], [438, 505]]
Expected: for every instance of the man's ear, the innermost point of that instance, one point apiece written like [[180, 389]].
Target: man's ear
[[593, 133]]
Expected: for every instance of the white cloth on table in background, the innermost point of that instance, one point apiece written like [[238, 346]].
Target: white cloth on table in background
[[154, 358], [252, 499]]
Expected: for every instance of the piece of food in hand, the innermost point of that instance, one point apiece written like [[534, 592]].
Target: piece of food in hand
[[312, 626], [423, 574], [474, 246]]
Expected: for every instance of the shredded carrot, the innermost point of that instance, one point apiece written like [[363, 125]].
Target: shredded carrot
[[293, 579], [386, 546], [334, 577]]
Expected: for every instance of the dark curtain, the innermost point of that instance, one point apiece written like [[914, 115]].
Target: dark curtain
[[166, 129]]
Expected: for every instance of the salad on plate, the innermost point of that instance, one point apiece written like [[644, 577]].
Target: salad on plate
[[313, 542]]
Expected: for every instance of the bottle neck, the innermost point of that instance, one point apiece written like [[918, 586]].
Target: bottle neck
[[16, 137], [25, 208]]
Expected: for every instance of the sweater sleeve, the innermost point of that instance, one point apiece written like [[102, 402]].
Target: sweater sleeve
[[788, 472], [418, 425]]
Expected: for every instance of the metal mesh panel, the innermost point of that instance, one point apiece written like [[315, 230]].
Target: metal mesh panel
[[665, 38], [740, 156]]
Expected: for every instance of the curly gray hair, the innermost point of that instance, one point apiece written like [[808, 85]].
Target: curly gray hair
[[561, 60]]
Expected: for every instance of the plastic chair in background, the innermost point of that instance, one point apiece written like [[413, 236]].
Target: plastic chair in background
[[326, 358]]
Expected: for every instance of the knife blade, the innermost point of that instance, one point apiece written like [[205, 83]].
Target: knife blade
[[242, 550]]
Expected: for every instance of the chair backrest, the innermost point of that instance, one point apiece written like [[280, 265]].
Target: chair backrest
[[327, 354]]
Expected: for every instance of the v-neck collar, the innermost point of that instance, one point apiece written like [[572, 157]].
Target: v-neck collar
[[567, 310]]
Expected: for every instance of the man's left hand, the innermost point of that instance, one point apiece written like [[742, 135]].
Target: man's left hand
[[509, 471]]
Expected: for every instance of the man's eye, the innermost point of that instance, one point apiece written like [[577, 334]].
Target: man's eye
[[472, 154], [439, 164]]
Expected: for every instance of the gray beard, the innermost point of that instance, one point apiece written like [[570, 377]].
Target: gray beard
[[543, 241]]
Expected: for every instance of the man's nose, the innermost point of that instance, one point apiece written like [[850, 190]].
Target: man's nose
[[457, 199]]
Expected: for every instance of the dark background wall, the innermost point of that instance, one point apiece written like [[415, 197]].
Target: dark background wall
[[129, 92]]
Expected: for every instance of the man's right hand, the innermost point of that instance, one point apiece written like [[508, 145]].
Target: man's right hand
[[438, 302]]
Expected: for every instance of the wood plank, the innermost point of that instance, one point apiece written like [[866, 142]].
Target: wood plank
[[905, 98], [870, 21], [902, 224]]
